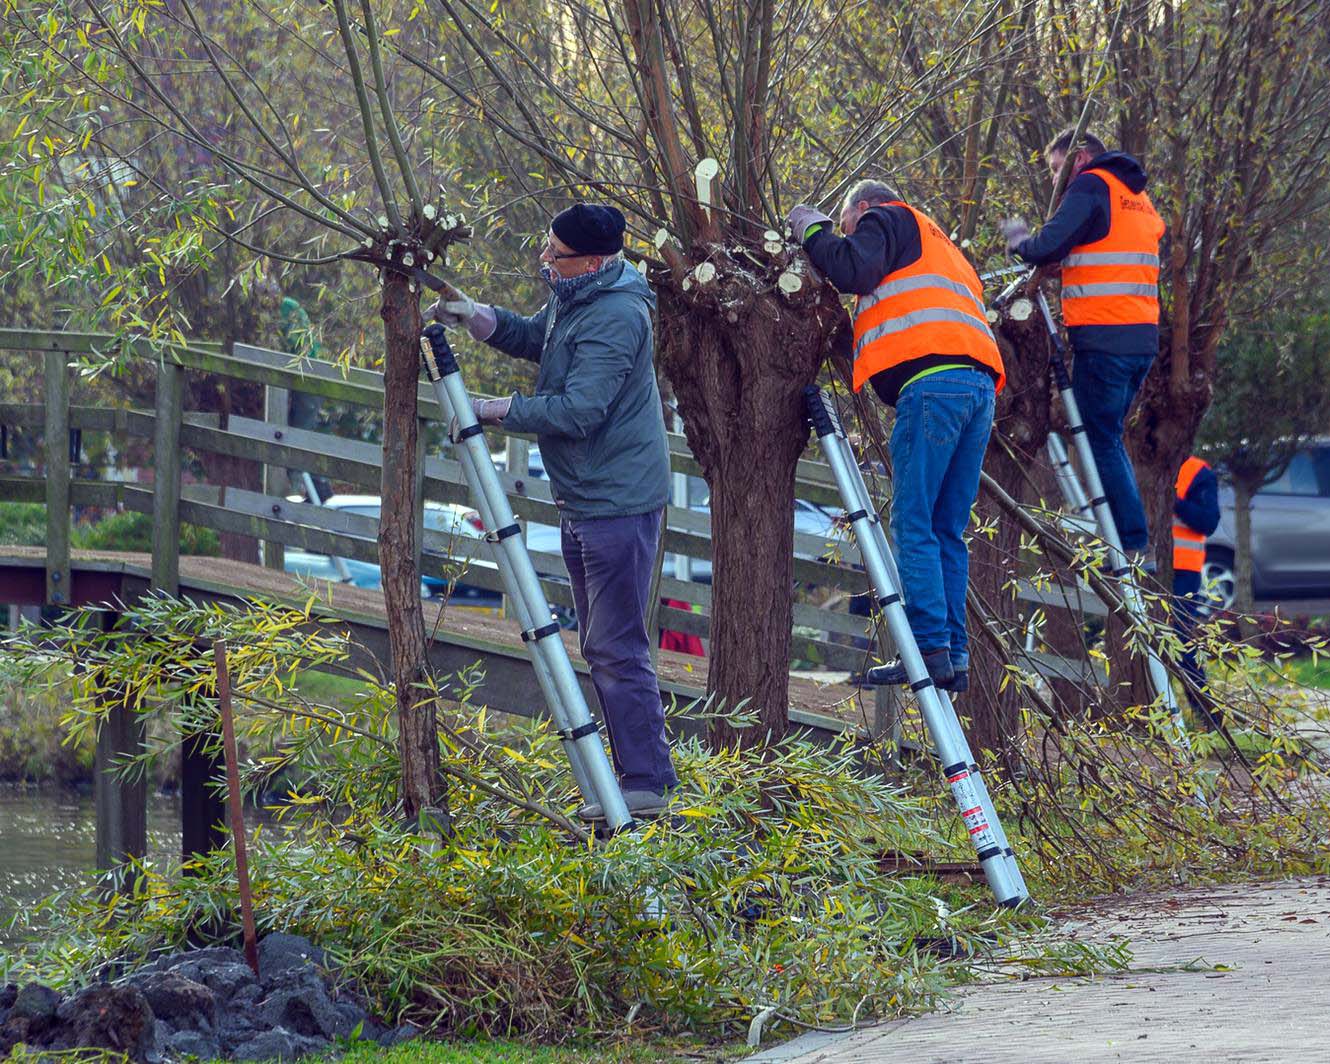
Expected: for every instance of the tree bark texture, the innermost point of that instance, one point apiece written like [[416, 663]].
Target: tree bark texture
[[739, 353], [418, 746], [1021, 424]]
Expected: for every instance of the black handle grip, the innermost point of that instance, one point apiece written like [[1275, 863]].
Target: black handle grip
[[821, 413], [1058, 365], [437, 352]]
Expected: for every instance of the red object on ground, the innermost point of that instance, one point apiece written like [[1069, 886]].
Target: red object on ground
[[679, 641]]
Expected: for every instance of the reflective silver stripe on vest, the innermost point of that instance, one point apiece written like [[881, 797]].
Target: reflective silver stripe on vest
[[1085, 291], [1111, 258], [913, 284], [920, 317]]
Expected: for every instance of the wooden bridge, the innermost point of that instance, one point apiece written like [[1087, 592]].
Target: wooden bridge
[[56, 575]]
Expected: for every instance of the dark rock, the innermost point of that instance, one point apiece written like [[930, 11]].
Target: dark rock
[[116, 1018], [35, 1003], [304, 978], [191, 1043], [304, 1010], [181, 1002], [246, 997], [397, 1035], [350, 1016], [13, 1031], [211, 955], [278, 951], [278, 1044], [222, 978]]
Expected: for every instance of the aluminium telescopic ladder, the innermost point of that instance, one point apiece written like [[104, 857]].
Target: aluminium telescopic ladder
[[944, 727], [549, 657], [1103, 516]]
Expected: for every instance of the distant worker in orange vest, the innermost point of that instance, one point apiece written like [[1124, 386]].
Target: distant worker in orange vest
[[1195, 516], [922, 341], [1106, 235]]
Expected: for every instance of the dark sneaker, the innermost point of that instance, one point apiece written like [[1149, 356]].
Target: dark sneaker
[[938, 663], [959, 682], [641, 804]]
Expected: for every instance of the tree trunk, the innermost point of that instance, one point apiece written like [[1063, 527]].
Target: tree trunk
[[1244, 598], [1021, 424], [739, 355], [1161, 432], [417, 739]]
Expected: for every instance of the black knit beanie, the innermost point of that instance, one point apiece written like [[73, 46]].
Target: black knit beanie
[[590, 228]]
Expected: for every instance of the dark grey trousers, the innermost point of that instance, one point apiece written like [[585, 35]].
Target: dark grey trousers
[[610, 561]]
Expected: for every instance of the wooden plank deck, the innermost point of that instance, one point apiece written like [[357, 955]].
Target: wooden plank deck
[[461, 636]]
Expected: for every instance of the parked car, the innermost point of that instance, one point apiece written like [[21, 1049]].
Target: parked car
[[451, 519], [1290, 533]]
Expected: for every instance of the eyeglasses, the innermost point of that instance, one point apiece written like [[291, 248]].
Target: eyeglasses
[[548, 250]]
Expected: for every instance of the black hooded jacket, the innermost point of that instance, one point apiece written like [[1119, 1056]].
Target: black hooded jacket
[[885, 239], [1082, 218]]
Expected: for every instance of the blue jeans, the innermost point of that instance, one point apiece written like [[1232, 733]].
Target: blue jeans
[[1187, 605], [937, 449], [1105, 387], [610, 562]]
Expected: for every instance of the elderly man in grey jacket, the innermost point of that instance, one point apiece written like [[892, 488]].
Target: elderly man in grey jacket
[[597, 415]]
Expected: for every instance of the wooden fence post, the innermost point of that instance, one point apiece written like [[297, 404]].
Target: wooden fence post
[[166, 479], [275, 481], [57, 479], [121, 804], [202, 812]]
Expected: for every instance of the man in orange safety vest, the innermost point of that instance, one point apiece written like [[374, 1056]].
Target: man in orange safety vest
[[922, 342], [1195, 516], [1105, 234]]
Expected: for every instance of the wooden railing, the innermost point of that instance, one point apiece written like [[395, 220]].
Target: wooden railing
[[280, 523]]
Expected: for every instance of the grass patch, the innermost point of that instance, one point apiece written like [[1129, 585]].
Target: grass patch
[[1310, 672], [507, 1052], [331, 689]]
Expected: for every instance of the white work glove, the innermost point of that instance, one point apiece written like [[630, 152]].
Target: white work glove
[[802, 217], [1014, 231], [488, 412], [453, 307]]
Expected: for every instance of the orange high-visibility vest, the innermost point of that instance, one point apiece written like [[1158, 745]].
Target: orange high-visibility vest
[[1188, 544], [1115, 281], [934, 306]]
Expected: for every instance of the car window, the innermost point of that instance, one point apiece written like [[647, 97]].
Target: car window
[[1321, 459], [1298, 479]]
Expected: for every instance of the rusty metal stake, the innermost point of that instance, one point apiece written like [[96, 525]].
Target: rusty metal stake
[[236, 804]]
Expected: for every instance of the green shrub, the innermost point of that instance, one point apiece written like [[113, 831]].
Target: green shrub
[[22, 524], [32, 746], [132, 531]]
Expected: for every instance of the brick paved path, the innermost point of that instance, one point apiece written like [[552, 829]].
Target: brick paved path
[[1270, 1007]]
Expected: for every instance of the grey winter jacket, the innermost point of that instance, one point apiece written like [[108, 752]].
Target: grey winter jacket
[[596, 411]]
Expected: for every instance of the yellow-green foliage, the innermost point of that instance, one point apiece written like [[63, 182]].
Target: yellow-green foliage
[[765, 890]]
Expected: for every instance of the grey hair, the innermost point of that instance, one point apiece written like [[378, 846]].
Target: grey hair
[[870, 191]]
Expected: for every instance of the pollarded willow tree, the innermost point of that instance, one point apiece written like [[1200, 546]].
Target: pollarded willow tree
[[320, 126], [705, 121]]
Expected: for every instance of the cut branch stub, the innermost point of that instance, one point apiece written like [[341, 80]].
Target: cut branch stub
[[705, 177]]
